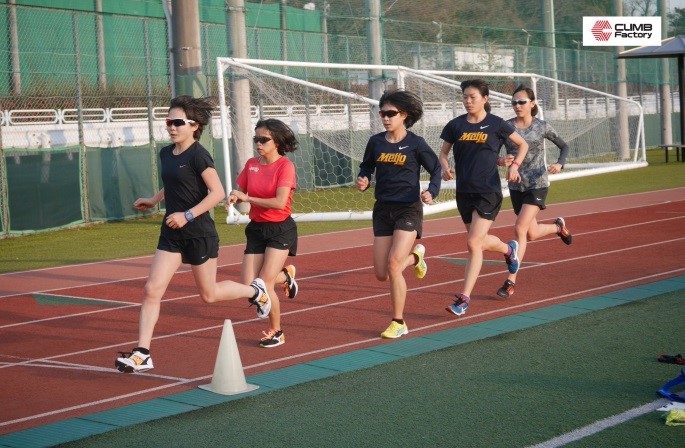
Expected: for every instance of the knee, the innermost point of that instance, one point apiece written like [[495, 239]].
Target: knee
[[152, 292], [474, 245], [395, 267], [208, 296], [520, 231]]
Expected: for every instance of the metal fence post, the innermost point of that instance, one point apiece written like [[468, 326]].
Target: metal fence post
[[85, 202], [150, 108]]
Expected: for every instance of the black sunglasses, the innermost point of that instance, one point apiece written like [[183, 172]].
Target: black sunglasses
[[178, 122], [388, 113], [519, 102], [261, 140]]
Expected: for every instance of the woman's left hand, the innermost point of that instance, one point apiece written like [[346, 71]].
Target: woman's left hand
[[176, 220], [554, 168], [237, 196], [513, 175], [427, 197]]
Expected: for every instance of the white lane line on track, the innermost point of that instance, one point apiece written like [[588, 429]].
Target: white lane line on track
[[530, 266], [451, 218], [182, 381]]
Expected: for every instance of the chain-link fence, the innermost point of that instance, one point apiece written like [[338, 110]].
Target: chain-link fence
[[83, 94]]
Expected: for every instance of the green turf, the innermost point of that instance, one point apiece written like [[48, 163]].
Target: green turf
[[510, 389], [50, 299], [139, 237]]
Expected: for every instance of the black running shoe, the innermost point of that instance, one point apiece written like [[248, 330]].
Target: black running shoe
[[563, 232], [507, 290], [290, 286]]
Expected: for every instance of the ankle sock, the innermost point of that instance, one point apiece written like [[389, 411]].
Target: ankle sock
[[399, 321], [144, 351]]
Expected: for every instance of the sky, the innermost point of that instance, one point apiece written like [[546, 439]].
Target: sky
[[676, 4]]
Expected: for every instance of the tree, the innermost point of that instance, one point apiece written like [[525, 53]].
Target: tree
[[676, 21]]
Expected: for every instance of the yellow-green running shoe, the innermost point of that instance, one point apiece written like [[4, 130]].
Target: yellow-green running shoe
[[395, 330], [420, 268]]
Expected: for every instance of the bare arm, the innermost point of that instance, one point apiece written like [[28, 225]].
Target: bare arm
[[513, 170], [447, 172], [278, 202], [142, 204]]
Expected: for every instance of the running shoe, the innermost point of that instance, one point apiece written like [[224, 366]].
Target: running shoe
[[134, 361], [395, 330], [513, 260], [420, 268], [507, 290], [262, 300], [460, 305], [290, 285], [272, 338], [563, 232]]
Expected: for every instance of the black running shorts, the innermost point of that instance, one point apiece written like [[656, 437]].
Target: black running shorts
[[194, 251], [278, 235], [533, 197], [391, 216], [486, 204]]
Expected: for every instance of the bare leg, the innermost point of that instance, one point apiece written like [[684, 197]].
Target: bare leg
[[164, 265]]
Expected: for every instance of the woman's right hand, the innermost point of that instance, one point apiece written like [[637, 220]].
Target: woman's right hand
[[362, 183], [447, 174], [142, 204]]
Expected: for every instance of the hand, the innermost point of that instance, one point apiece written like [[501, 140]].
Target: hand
[[508, 159], [554, 168], [427, 197], [447, 174], [362, 183], [237, 196], [142, 204], [176, 220], [513, 175]]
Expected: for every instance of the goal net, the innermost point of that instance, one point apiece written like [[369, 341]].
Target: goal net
[[329, 109]]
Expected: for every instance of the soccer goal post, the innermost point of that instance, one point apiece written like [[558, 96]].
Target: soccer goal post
[[327, 107]]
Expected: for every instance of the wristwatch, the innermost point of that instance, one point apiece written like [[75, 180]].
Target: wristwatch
[[189, 216]]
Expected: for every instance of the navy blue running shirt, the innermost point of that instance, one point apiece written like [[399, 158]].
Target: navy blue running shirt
[[398, 167], [476, 147]]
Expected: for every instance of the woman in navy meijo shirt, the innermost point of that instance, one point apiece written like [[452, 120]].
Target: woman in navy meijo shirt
[[396, 156], [476, 138]]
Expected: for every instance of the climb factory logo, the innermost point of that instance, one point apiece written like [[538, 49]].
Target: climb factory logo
[[621, 31]]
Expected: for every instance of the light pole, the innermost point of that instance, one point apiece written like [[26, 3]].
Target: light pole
[[525, 54], [438, 37]]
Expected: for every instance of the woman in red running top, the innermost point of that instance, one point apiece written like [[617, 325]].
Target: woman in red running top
[[267, 183]]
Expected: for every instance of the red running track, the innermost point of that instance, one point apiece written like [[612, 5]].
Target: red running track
[[61, 328]]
